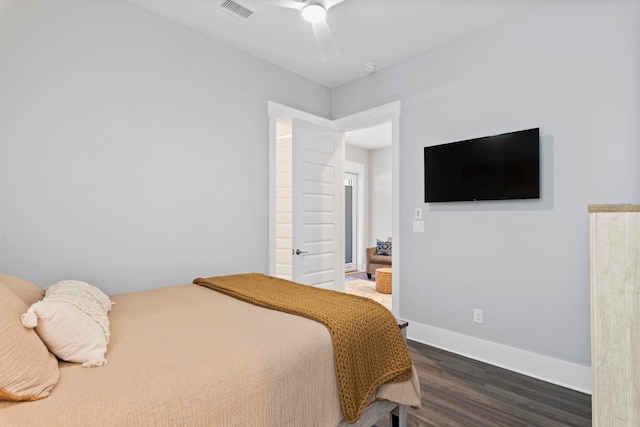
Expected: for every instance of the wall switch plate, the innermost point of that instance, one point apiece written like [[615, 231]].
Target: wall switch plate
[[418, 226], [477, 315], [417, 214]]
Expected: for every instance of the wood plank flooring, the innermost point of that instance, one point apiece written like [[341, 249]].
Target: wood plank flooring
[[457, 391]]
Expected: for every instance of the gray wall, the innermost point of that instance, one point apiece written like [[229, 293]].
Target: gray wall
[[380, 195], [570, 68], [133, 151], [378, 190]]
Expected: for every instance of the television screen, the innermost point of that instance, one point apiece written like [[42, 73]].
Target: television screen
[[497, 167]]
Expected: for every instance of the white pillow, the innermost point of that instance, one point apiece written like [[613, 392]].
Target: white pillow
[[72, 321]]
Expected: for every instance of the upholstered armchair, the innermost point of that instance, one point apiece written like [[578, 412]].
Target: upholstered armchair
[[375, 261]]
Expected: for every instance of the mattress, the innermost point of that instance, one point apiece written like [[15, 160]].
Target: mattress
[[187, 355]]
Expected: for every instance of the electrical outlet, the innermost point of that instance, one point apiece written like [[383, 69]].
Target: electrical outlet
[[477, 315]]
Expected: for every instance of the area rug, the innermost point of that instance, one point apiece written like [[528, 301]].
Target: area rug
[[367, 288]]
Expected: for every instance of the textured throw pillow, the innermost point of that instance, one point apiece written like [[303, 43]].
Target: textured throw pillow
[[383, 248], [26, 291], [72, 321], [27, 370]]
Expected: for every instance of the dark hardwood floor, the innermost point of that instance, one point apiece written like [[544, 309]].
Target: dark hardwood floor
[[457, 391]]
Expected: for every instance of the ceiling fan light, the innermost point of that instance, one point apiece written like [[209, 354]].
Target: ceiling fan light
[[314, 13]]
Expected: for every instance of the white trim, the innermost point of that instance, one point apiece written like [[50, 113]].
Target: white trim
[[271, 251], [396, 258], [371, 117], [549, 369], [279, 111]]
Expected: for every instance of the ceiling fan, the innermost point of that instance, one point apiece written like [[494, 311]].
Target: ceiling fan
[[315, 12]]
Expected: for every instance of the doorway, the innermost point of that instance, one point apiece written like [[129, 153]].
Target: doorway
[[356, 171], [369, 118]]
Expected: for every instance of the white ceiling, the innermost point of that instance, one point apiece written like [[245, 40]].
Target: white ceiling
[[370, 138], [383, 32]]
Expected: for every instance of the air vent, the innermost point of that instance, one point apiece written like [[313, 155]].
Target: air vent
[[236, 9]]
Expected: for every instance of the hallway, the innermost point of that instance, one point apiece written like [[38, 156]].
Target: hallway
[[356, 283]]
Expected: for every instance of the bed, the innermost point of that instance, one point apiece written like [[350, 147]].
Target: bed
[[190, 355]]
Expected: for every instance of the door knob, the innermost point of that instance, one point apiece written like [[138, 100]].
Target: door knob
[[298, 252]]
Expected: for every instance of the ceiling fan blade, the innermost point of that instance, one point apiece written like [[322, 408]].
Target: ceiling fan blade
[[328, 4], [299, 5], [291, 4], [324, 40]]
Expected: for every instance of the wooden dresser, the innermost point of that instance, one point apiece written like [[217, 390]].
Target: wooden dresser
[[615, 314]]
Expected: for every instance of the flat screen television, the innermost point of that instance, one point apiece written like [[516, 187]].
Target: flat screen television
[[499, 167]]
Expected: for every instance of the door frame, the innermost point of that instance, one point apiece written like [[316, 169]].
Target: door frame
[[367, 118]]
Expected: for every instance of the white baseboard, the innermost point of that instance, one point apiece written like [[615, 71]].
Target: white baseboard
[[555, 371]]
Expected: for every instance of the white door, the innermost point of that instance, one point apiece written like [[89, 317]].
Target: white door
[[317, 186]]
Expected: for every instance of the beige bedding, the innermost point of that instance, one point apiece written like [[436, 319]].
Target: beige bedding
[[186, 355], [367, 354]]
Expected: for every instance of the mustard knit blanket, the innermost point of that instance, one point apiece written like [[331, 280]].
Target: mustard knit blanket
[[368, 346]]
